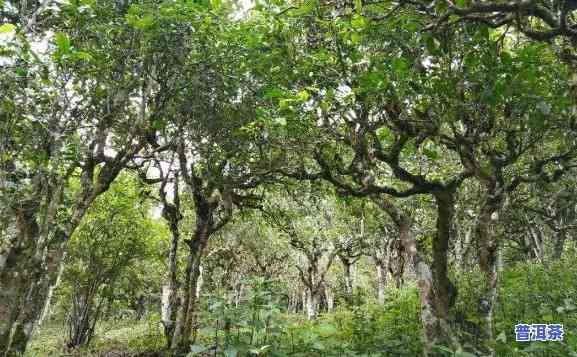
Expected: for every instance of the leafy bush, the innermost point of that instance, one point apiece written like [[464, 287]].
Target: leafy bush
[[529, 293]]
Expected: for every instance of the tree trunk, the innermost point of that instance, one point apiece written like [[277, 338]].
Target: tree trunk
[[312, 304], [435, 325], [445, 216], [200, 282], [330, 297], [238, 293], [348, 274], [31, 270], [15, 278], [26, 280], [48, 303], [170, 288], [396, 262], [488, 254], [560, 244], [83, 315], [381, 283], [535, 243], [462, 252], [186, 314]]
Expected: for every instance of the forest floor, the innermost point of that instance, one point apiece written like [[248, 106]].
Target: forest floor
[[113, 339], [530, 293]]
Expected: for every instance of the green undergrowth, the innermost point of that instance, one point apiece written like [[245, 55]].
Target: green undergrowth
[[529, 294], [113, 338]]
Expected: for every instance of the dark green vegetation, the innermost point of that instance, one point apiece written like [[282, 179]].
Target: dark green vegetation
[[285, 178]]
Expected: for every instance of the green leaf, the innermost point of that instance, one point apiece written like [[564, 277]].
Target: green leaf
[[264, 348], [432, 45], [273, 93], [285, 104], [84, 56], [158, 124], [400, 66], [506, 58], [442, 348], [22, 72], [215, 4], [431, 154], [141, 23], [62, 42], [303, 95], [548, 318], [356, 38], [317, 345], [306, 8], [6, 28], [384, 133], [358, 22], [358, 6]]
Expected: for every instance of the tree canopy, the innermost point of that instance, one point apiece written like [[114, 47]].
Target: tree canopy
[[345, 178]]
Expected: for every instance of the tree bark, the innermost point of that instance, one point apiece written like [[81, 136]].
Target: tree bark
[[84, 314], [46, 311], [170, 288], [312, 304], [435, 325], [32, 268], [488, 254], [348, 274], [186, 315], [172, 215], [381, 283], [330, 297], [560, 244], [445, 217]]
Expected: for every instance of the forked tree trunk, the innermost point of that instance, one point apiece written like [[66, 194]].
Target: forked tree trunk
[[435, 325], [313, 279]]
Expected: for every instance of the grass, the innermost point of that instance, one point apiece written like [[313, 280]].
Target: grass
[[112, 339]]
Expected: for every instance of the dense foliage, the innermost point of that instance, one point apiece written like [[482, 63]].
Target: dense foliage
[[287, 178]]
